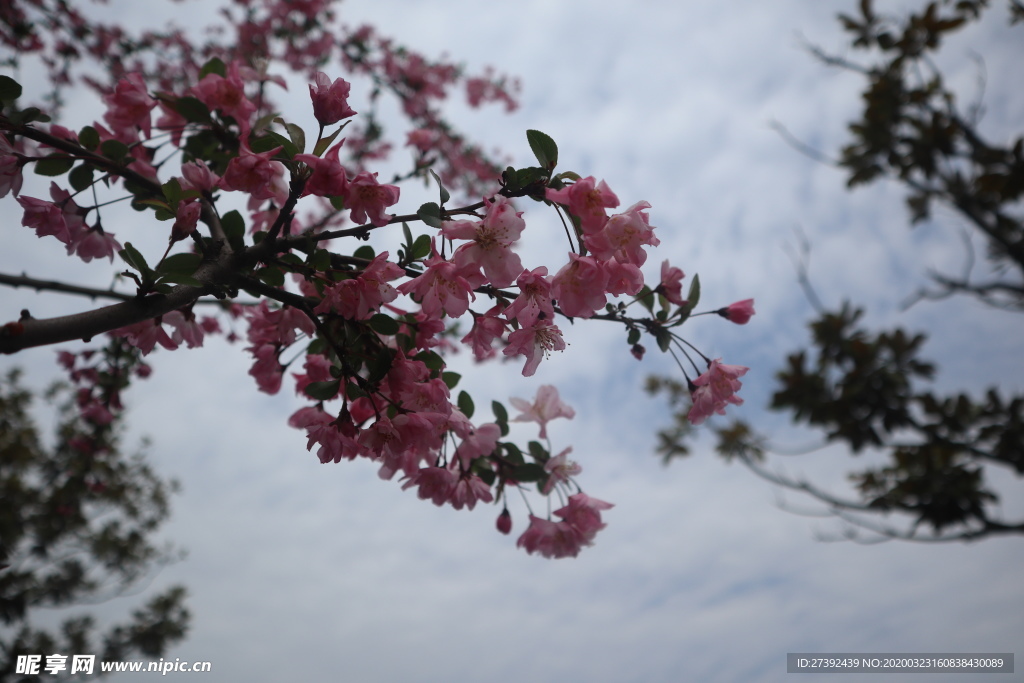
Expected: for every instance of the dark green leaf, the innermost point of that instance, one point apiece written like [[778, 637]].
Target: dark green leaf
[[633, 337], [466, 404], [323, 391], [539, 453], [694, 295], [214, 66], [81, 177], [115, 150], [234, 227], [134, 259], [444, 193], [513, 454], [451, 379], [364, 252], [430, 214], [192, 109], [181, 264], [54, 165], [431, 360], [324, 143], [172, 190], [500, 414], [89, 138], [10, 89], [384, 324], [421, 248], [544, 148], [529, 472], [271, 276]]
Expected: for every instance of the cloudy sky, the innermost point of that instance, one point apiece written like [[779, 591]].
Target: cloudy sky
[[309, 572]]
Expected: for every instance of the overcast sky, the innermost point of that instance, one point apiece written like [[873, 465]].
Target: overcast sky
[[302, 571]]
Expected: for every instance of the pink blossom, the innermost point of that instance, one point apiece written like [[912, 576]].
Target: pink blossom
[[583, 513], [470, 490], [186, 329], [738, 312], [435, 483], [671, 284], [45, 218], [256, 174], [337, 441], [309, 416], [478, 443], [623, 278], [94, 243], [96, 413], [10, 169], [713, 390], [366, 199], [580, 286], [198, 176], [504, 522], [185, 220], [328, 179], [266, 369], [560, 469], [536, 343], [130, 105], [145, 336], [486, 328], [534, 300], [624, 236], [587, 201], [440, 288], [226, 95], [422, 139], [546, 406], [491, 245], [362, 296], [551, 539], [279, 326], [330, 100]]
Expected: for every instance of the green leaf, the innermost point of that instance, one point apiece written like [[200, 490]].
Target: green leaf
[[54, 165], [444, 193], [633, 337], [430, 213], [431, 360], [81, 177], [664, 338], [181, 279], [115, 150], [544, 148], [271, 140], [450, 379], [297, 135], [646, 298], [539, 453], [172, 190], [194, 110], [271, 276], [500, 414], [214, 66], [694, 295], [323, 391], [180, 264], [321, 260], [466, 404], [529, 472], [513, 454], [136, 260], [234, 228], [364, 252], [10, 89], [421, 248], [89, 138], [323, 143], [382, 323]]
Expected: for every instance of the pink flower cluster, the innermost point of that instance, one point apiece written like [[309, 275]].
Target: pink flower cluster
[[65, 220], [714, 390]]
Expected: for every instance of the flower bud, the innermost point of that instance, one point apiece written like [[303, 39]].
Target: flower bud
[[504, 523]]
